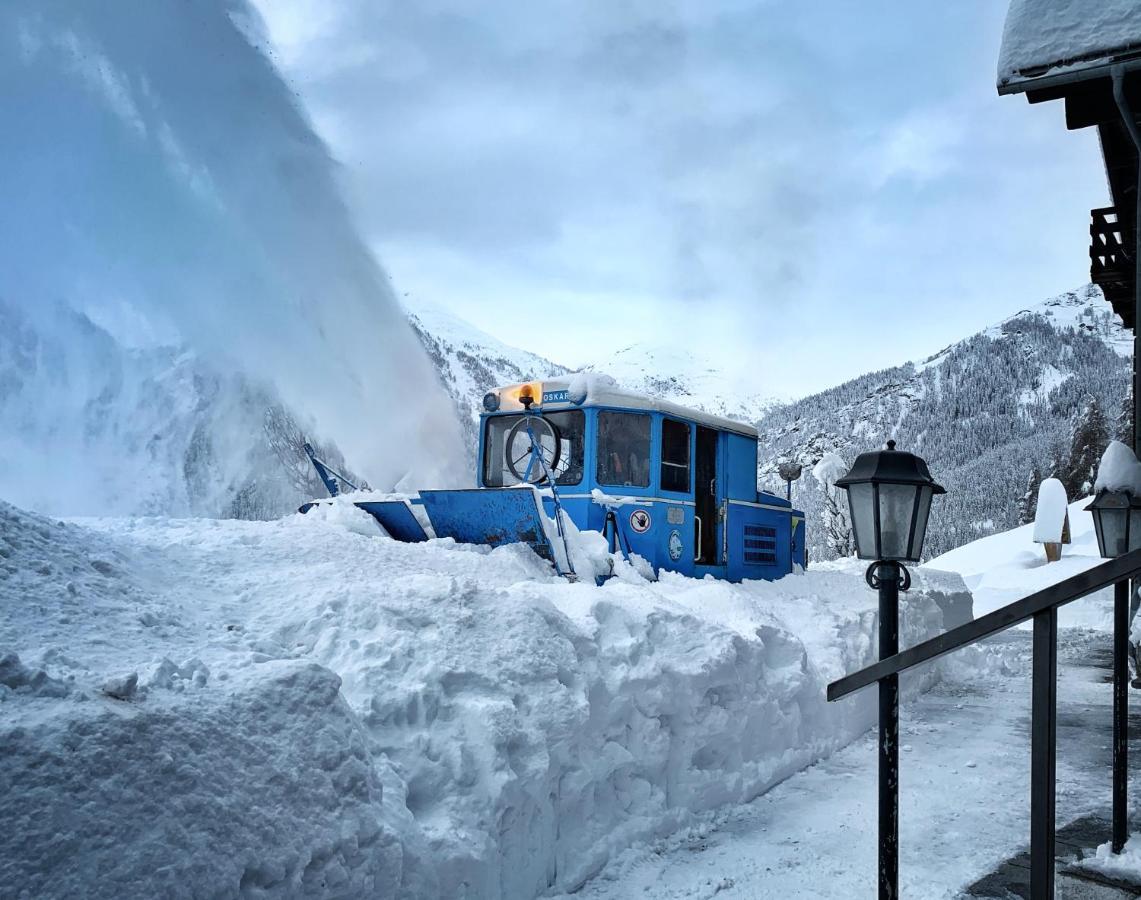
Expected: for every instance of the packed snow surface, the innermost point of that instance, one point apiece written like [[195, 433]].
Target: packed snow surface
[[1004, 567], [1041, 35], [222, 708]]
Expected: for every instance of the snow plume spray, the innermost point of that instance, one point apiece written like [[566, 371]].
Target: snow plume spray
[[161, 186]]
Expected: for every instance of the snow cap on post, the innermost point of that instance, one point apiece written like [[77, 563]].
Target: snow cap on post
[[1050, 520], [1119, 470], [1116, 508]]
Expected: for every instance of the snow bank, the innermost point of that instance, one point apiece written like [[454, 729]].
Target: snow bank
[[498, 731], [1125, 865], [267, 785]]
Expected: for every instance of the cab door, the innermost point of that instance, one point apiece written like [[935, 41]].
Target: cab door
[[678, 549], [707, 522]]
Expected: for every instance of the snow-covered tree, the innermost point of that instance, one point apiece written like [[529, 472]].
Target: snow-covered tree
[[1123, 424], [837, 524], [1091, 435], [1028, 504]]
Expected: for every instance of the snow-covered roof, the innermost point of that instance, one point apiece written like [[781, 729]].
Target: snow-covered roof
[[1051, 37], [589, 389]]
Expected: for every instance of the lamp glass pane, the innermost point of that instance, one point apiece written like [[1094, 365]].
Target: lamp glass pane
[[925, 494], [897, 505], [1113, 522], [1133, 540], [1098, 531], [862, 506]]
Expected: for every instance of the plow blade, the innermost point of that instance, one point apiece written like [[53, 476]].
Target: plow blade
[[397, 518], [488, 516]]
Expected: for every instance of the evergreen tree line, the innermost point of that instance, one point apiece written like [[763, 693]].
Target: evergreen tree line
[[992, 415]]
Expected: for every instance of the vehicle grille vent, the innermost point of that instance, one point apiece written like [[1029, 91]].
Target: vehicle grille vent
[[760, 545]]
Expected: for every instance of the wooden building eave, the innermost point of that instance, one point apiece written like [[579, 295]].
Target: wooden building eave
[[1089, 102]]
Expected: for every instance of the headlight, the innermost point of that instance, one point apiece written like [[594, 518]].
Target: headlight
[[491, 401]]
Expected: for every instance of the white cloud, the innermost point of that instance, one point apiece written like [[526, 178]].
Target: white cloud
[[751, 162]]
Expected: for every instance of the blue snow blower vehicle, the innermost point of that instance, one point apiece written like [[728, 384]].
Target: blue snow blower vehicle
[[673, 485]]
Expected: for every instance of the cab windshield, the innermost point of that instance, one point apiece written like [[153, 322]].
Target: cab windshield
[[504, 445]]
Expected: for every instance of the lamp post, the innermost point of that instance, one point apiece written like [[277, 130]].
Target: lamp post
[[789, 472], [889, 495], [1117, 522]]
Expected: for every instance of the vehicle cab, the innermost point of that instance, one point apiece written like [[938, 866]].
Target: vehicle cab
[[682, 483]]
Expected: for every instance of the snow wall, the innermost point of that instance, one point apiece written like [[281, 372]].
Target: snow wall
[[173, 239], [320, 711]]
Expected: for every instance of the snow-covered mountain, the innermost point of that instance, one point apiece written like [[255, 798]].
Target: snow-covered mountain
[[982, 412], [684, 377], [470, 362]]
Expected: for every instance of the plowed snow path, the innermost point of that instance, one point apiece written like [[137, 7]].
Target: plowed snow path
[[964, 802]]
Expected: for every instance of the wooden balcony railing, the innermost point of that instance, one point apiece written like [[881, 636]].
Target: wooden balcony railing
[[1112, 255]]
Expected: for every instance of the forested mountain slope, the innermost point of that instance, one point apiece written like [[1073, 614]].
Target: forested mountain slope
[[983, 412]]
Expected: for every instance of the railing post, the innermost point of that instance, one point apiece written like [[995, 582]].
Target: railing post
[[1120, 714], [1043, 729], [889, 736]]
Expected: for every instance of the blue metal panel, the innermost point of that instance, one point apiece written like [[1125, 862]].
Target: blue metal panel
[[493, 516], [773, 500], [741, 467], [799, 539], [759, 542], [396, 517]]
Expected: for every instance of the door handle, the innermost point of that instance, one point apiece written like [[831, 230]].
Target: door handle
[[697, 549]]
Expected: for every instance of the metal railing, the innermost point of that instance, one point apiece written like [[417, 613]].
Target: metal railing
[[1042, 608]]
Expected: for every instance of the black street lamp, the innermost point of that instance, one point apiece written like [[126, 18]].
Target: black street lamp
[[889, 495], [1117, 522]]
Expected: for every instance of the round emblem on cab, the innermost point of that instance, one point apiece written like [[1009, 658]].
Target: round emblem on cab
[[675, 545]]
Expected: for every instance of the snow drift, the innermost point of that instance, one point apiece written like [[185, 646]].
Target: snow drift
[[163, 189], [497, 731]]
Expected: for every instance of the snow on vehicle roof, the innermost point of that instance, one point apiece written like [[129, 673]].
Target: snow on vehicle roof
[[591, 389], [1048, 37]]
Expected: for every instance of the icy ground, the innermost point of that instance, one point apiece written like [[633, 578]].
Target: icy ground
[[305, 707]]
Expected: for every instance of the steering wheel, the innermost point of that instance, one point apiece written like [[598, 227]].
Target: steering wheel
[[519, 447]]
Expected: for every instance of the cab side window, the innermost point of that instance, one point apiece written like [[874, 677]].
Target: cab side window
[[624, 448], [675, 456]]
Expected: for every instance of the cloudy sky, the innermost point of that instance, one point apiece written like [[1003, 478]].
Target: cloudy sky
[[802, 191]]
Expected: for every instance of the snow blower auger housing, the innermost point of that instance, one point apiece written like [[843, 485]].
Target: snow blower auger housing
[[676, 486]]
